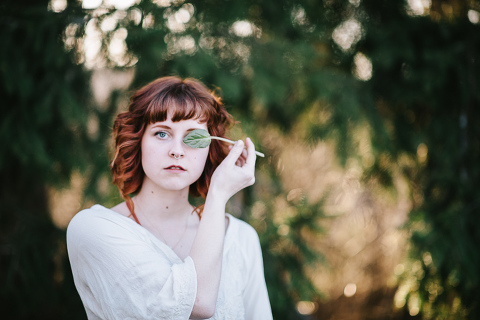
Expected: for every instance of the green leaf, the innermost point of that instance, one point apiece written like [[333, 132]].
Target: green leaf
[[198, 138]]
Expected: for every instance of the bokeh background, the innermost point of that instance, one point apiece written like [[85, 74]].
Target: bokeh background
[[368, 201]]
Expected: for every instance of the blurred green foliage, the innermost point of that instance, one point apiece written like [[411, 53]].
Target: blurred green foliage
[[426, 75], [43, 127], [281, 64]]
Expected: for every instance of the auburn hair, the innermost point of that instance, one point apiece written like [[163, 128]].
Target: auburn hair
[[179, 99]]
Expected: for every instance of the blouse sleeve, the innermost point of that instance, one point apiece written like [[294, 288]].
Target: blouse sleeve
[[119, 276], [255, 297]]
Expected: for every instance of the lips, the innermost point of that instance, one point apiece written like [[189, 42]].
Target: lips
[[175, 168]]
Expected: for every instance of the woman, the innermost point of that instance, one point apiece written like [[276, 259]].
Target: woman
[[155, 256]]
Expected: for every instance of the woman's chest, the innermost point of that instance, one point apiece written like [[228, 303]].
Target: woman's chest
[[183, 247]]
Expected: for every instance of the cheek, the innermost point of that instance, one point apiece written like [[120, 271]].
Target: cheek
[[148, 155], [205, 155], [200, 158]]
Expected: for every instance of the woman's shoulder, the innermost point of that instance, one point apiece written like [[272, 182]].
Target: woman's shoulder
[[98, 221], [242, 231], [240, 224], [96, 213]]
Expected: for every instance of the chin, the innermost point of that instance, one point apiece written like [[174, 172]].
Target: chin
[[176, 186]]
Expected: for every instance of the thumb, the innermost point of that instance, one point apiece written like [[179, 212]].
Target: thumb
[[235, 152]]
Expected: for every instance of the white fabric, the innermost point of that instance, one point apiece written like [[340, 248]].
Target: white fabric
[[122, 271]]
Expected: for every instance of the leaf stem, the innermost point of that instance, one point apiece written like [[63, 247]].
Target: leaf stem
[[233, 142]]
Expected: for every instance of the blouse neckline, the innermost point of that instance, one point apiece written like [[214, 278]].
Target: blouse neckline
[[173, 255]]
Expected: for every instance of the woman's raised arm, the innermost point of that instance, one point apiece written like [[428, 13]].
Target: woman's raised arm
[[207, 249]]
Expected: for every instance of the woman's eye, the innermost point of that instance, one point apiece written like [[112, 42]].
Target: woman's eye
[[161, 134]]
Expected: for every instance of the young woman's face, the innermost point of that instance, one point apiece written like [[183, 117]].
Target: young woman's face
[[168, 163]]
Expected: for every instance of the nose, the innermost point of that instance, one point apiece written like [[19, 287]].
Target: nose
[[176, 150]]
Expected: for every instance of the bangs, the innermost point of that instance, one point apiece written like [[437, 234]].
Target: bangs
[[180, 105]]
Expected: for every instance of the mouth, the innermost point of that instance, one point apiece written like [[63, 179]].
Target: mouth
[[175, 168]]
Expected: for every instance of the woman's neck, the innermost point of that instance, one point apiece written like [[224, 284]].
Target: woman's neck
[[162, 204]]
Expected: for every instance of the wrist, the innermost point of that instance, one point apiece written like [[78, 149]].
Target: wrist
[[218, 197]]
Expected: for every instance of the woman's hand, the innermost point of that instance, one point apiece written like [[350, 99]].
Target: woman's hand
[[236, 171]]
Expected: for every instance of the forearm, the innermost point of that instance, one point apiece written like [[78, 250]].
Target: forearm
[[231, 176], [207, 254]]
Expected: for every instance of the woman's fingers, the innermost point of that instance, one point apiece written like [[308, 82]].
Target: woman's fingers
[[243, 157], [237, 170], [235, 152], [251, 156]]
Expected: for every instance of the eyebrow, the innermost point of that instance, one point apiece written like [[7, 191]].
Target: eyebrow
[[168, 128], [160, 126]]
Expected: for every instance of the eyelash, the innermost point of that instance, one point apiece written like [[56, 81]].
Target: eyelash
[[160, 132]]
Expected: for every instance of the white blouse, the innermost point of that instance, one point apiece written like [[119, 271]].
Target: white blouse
[[122, 271]]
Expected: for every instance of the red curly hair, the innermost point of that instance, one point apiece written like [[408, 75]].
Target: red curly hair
[[181, 99]]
